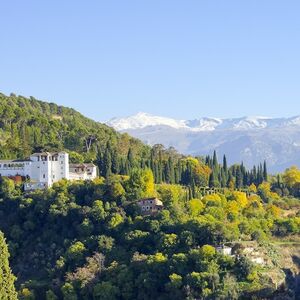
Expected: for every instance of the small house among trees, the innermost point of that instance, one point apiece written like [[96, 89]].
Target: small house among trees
[[150, 206], [225, 250]]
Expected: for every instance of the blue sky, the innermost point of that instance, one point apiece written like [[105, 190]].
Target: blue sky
[[183, 59]]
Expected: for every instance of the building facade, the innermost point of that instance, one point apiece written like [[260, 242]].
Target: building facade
[[41, 170], [82, 171], [150, 206]]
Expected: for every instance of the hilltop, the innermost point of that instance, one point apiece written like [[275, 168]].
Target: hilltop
[[28, 125]]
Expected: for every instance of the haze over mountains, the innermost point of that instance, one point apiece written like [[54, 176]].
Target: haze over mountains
[[247, 139]]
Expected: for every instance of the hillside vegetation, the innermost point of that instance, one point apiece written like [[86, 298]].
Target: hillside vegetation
[[29, 125], [90, 240]]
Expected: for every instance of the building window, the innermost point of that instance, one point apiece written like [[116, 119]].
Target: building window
[[44, 175], [53, 176]]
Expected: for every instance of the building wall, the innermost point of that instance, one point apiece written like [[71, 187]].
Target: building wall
[[150, 206], [12, 171], [45, 169], [53, 169], [92, 172], [59, 168], [82, 172], [39, 171]]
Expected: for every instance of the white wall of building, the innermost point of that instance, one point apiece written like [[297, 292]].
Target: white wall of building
[[11, 168], [44, 169]]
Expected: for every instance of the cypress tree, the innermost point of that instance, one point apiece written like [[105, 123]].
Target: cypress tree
[[223, 178], [260, 174], [215, 160], [130, 158], [229, 179], [207, 162], [100, 162], [279, 181], [239, 178], [225, 164], [158, 173], [255, 175], [115, 162], [213, 180], [265, 173], [107, 162], [7, 279], [171, 169]]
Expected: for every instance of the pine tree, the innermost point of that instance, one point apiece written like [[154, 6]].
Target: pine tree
[[7, 279]]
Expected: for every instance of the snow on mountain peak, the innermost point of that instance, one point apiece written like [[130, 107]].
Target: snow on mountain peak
[[252, 123], [294, 121], [142, 120]]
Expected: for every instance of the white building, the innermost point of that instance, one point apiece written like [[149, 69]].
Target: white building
[[82, 171], [43, 169], [225, 250]]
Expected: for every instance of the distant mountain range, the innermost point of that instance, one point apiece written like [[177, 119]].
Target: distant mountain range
[[247, 139]]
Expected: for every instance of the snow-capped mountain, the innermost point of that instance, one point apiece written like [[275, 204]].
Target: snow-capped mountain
[[247, 139], [142, 120]]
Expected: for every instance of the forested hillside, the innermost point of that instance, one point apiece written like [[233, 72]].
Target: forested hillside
[[28, 125], [90, 240]]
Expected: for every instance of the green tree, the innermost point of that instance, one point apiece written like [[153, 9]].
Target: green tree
[[68, 292], [75, 251], [7, 279], [50, 295], [105, 291]]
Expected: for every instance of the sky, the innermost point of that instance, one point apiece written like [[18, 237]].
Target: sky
[[182, 59]]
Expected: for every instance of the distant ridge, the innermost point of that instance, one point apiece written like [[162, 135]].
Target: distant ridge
[[248, 139], [142, 120]]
